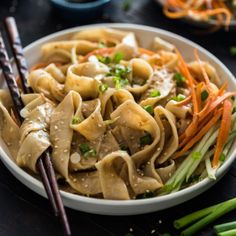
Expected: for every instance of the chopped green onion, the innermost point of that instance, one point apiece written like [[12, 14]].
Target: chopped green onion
[[103, 87], [104, 60], [234, 110], [101, 45], [204, 95], [126, 5], [146, 139], [179, 98], [149, 109], [145, 195], [196, 155], [233, 51], [119, 83], [90, 153], [180, 79], [118, 57], [124, 147], [83, 147], [155, 93], [222, 157], [75, 120]]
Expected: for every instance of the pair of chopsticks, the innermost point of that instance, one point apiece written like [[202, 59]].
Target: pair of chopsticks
[[44, 164]]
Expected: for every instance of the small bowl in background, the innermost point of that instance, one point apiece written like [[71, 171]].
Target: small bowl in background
[[80, 11]]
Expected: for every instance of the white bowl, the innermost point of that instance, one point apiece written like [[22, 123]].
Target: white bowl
[[145, 35]]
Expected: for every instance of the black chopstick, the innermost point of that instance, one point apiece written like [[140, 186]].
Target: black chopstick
[[18, 53], [44, 164]]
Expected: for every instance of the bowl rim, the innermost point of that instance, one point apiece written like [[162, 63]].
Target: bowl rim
[[106, 202], [75, 5]]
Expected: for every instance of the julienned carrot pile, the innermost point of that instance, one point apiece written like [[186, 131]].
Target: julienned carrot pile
[[207, 137], [202, 110], [221, 11]]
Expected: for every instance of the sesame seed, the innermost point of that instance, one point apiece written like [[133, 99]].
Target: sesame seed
[[74, 180], [55, 127], [29, 155], [55, 146], [65, 151], [153, 231], [160, 221], [100, 125], [131, 230], [85, 185], [75, 158], [82, 179]]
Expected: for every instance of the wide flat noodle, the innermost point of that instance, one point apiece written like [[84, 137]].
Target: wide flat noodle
[[9, 131], [179, 111], [34, 138], [112, 98], [83, 78], [161, 81], [43, 82], [61, 135], [60, 51], [112, 184], [167, 171], [171, 136], [140, 78], [131, 115]]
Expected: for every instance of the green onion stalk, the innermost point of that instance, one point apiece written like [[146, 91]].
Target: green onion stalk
[[204, 217]]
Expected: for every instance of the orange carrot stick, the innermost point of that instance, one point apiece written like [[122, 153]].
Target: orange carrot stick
[[199, 135], [100, 51], [214, 104], [223, 132], [146, 51], [185, 71], [205, 76]]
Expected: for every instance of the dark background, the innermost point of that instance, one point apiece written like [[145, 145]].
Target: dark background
[[22, 212]]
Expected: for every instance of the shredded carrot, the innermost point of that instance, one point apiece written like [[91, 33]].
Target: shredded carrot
[[205, 76], [185, 71], [146, 51], [199, 135], [222, 89], [223, 132], [203, 10], [100, 51], [214, 104]]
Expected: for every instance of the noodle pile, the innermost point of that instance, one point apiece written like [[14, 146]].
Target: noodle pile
[[116, 117]]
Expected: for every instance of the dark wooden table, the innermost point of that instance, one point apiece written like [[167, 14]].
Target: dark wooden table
[[22, 212]]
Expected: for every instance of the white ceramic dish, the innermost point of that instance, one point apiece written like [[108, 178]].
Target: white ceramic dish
[[202, 24], [145, 35]]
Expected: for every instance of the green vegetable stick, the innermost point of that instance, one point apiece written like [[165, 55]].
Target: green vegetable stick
[[219, 211], [228, 233], [225, 227], [188, 219]]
